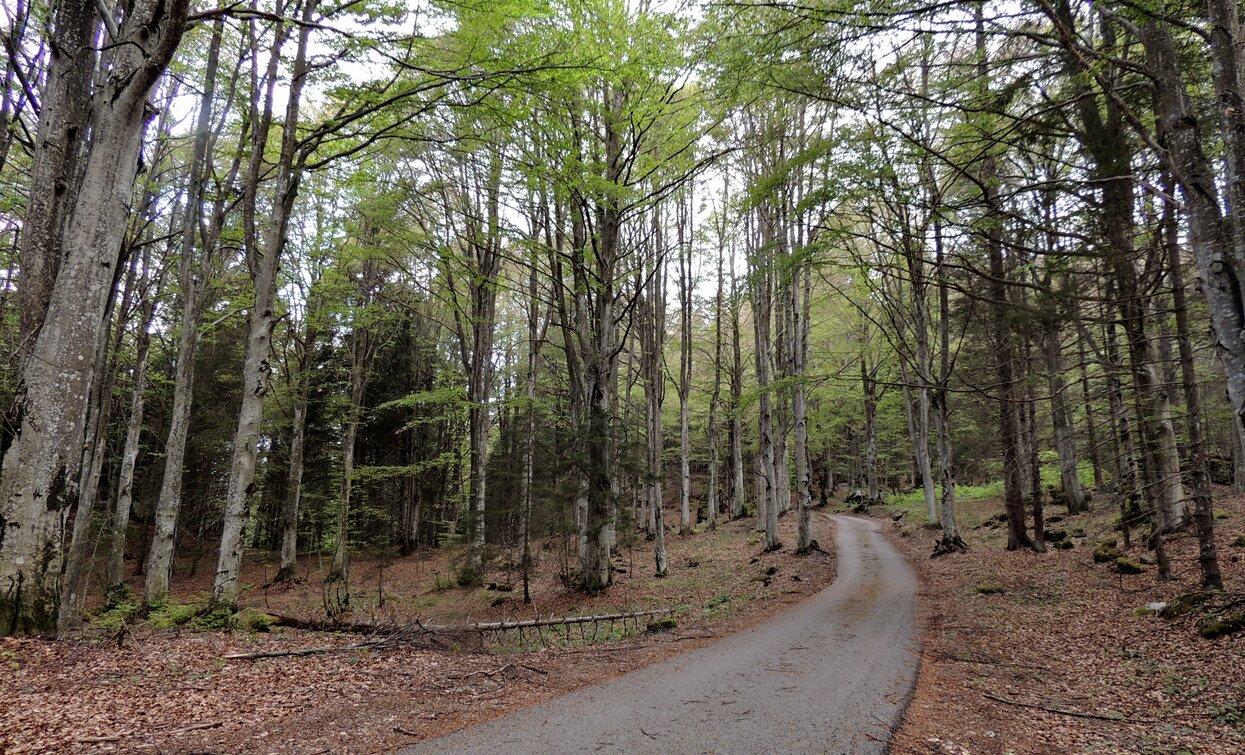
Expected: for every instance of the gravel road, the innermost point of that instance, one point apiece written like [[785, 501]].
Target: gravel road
[[831, 675]]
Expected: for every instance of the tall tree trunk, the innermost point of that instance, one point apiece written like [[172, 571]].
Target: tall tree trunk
[[257, 368], [992, 232], [684, 261], [74, 572], [1204, 514], [339, 570], [114, 573], [762, 301], [737, 423], [288, 570], [801, 291], [1087, 400], [529, 443], [158, 566], [652, 333], [55, 168], [1061, 416], [41, 465], [869, 387], [951, 540], [712, 498]]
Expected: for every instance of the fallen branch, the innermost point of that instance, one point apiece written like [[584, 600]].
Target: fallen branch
[[1064, 712], [301, 651], [164, 733], [393, 636], [985, 661], [486, 672], [192, 727], [501, 626]]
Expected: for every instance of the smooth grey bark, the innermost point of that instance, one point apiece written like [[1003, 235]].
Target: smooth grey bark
[[288, 569], [99, 407], [1061, 416], [474, 325], [991, 225], [868, 386], [652, 330], [684, 262], [362, 345], [762, 307], [801, 294], [715, 397], [192, 276], [951, 540], [55, 169], [534, 341], [736, 405], [114, 571], [87, 528], [1203, 508], [41, 465], [263, 262]]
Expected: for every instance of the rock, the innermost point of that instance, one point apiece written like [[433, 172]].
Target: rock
[[1063, 545], [1146, 559], [1055, 535], [1107, 553], [1187, 603], [1213, 627], [990, 589], [662, 625], [1128, 566]]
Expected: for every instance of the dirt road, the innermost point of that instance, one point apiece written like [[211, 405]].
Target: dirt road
[[831, 675]]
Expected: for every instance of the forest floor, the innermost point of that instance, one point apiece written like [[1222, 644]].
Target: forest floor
[[123, 686], [831, 675], [1053, 653]]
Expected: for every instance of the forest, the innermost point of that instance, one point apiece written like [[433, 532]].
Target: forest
[[293, 282]]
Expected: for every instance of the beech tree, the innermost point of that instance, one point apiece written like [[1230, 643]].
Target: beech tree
[[321, 279]]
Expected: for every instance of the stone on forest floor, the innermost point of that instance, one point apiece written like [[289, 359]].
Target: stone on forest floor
[[1128, 566], [1215, 626], [1107, 553], [662, 625]]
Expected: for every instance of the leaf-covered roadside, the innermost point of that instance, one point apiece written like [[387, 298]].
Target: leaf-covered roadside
[[1053, 653], [174, 691]]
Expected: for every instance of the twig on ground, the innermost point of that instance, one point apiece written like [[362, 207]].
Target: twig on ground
[[1064, 712]]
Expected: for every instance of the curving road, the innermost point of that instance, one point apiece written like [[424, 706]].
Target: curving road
[[831, 675]]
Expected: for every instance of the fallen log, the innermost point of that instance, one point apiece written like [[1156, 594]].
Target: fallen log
[[393, 636]]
